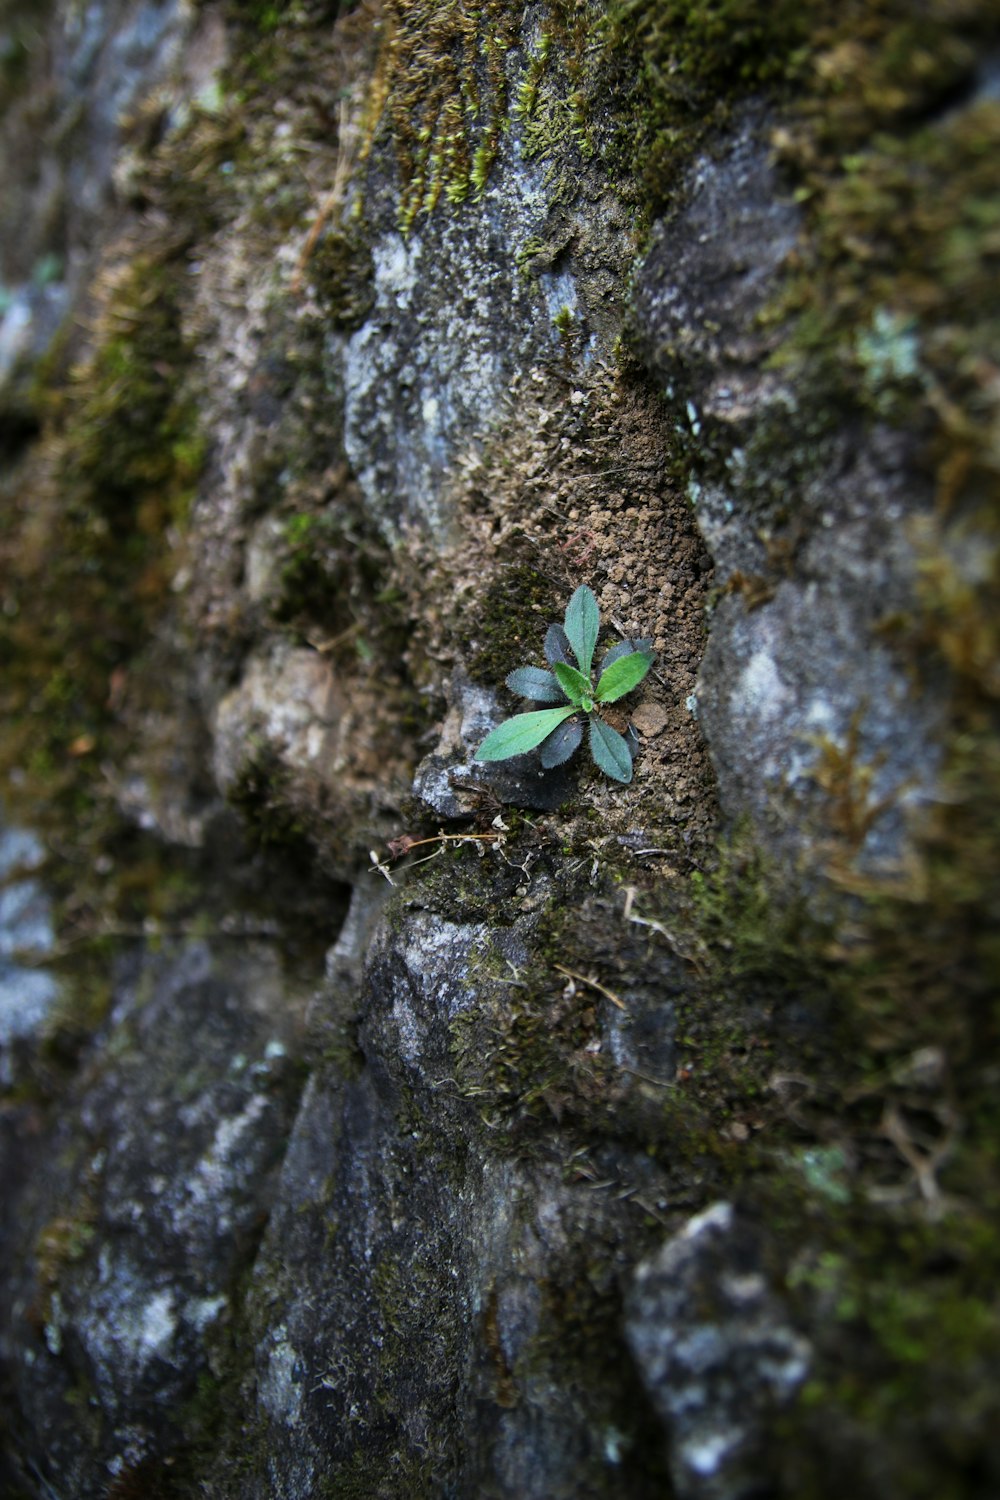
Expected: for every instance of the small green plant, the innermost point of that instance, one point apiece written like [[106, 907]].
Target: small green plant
[[559, 731]]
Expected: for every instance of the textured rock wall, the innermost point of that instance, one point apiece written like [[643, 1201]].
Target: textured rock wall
[[377, 1122]]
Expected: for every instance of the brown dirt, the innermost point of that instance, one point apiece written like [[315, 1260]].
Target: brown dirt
[[577, 482]]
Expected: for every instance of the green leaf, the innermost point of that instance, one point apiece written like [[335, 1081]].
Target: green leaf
[[583, 621], [622, 676], [573, 683], [561, 743], [522, 733], [536, 683], [557, 646], [610, 751], [623, 648]]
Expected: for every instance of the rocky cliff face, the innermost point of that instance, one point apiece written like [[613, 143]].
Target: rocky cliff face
[[380, 1122]]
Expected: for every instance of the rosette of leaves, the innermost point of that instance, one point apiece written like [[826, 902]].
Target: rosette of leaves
[[559, 731]]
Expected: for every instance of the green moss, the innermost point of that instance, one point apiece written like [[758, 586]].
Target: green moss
[[93, 564], [260, 793], [579, 1347], [905, 1326], [886, 312], [332, 583], [340, 270], [61, 1243], [192, 178], [263, 15], [533, 1050], [892, 1020], [740, 926], [451, 80], [441, 90], [532, 1059], [365, 1474], [24, 21], [815, 1067], [846, 71], [900, 248], [682, 66], [559, 89], [510, 621], [527, 92], [132, 436], [564, 323], [226, 158]]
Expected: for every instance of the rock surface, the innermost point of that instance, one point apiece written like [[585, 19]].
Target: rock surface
[[813, 548], [717, 1353], [166, 1165]]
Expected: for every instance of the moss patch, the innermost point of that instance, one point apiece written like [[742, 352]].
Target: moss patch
[[333, 590], [681, 68], [88, 563], [441, 86], [515, 612], [340, 270]]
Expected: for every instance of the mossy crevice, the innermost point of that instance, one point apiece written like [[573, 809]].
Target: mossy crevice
[[511, 620]]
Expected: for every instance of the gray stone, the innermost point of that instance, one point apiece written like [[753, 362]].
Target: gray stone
[[402, 1297], [27, 999], [288, 705], [447, 780], [29, 991], [811, 533], [91, 66], [711, 269], [458, 314], [20, 852], [717, 1353], [25, 919], [157, 1181]]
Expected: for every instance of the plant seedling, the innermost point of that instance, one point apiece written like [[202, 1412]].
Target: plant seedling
[[559, 731]]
